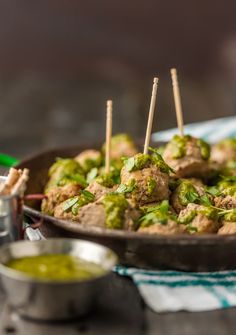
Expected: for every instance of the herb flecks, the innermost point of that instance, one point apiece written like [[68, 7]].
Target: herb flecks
[[73, 204], [158, 214], [127, 188], [115, 206]]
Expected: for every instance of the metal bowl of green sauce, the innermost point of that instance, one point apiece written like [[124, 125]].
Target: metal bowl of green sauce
[[55, 279]]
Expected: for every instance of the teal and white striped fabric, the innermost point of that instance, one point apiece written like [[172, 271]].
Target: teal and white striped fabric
[[165, 291], [171, 291], [212, 131]]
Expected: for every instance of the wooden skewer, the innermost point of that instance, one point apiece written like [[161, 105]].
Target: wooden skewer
[[150, 115], [20, 185], [108, 135], [177, 99], [11, 180]]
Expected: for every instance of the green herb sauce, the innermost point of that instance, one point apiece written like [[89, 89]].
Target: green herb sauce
[[228, 186], [57, 267], [90, 163], [205, 148], [119, 139], [115, 206], [187, 193], [188, 217], [227, 142], [106, 180], [230, 215], [65, 171], [178, 146], [128, 187], [151, 185], [159, 214], [141, 161], [210, 212], [137, 162], [230, 191], [75, 203]]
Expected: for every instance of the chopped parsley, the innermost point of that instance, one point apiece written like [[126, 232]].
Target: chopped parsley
[[158, 214], [141, 161], [92, 174], [127, 188], [73, 204]]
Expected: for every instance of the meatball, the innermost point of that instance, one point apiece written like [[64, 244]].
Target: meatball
[[199, 219], [92, 214], [65, 171], [132, 215], [160, 219], [119, 212], [170, 228], [122, 145], [150, 181], [189, 190], [111, 211], [70, 208], [89, 159], [224, 151], [56, 195], [227, 197], [188, 156], [99, 190], [228, 228], [227, 202]]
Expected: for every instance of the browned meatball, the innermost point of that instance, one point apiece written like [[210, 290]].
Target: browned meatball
[[94, 214], [56, 195], [122, 145], [89, 159], [200, 219], [170, 228], [227, 202], [143, 193], [99, 190], [132, 215], [188, 156], [228, 228], [179, 197], [224, 151]]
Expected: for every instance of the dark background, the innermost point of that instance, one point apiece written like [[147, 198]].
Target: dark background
[[61, 60]]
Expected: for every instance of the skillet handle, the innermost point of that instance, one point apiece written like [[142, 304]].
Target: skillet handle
[[8, 161], [34, 234]]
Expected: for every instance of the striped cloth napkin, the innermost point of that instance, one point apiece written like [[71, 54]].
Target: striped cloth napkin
[[171, 291], [212, 131]]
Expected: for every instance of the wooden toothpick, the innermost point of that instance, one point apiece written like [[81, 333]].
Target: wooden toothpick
[[20, 185], [150, 115], [177, 99], [108, 135]]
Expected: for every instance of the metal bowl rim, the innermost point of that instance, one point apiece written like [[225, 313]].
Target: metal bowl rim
[[20, 276]]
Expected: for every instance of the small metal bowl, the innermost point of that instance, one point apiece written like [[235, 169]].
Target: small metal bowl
[[11, 216], [51, 300]]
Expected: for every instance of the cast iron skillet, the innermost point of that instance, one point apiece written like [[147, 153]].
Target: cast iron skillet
[[188, 253]]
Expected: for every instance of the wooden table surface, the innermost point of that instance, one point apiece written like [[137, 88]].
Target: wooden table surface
[[141, 320], [135, 318]]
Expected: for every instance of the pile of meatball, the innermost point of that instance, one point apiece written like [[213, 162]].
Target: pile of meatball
[[185, 187]]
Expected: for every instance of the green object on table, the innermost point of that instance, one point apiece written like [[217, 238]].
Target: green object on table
[[8, 161]]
